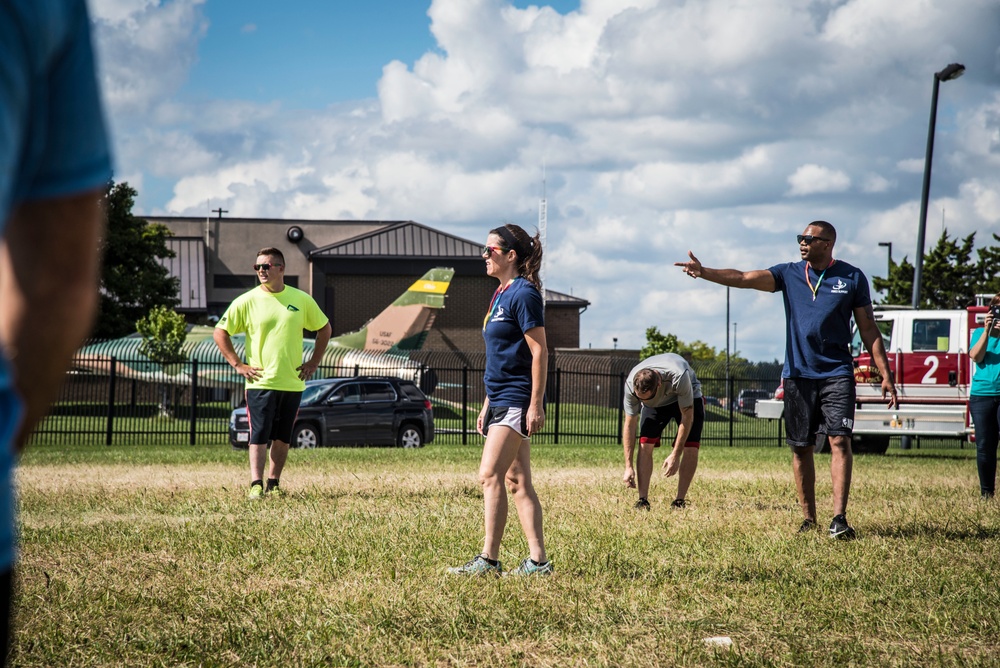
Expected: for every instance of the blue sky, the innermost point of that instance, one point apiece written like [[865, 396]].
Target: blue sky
[[718, 126]]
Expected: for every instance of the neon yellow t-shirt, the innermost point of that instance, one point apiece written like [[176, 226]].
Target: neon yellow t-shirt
[[273, 324]]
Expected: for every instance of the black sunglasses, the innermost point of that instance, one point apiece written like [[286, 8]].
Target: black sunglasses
[[808, 238], [266, 266]]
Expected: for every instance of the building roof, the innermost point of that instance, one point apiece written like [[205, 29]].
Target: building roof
[[403, 239], [188, 266]]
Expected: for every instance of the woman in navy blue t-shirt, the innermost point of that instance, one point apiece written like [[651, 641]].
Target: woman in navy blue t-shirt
[[516, 364]]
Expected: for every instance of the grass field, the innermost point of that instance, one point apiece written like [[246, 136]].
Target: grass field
[[151, 556]]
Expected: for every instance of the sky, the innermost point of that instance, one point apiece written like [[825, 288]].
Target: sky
[[651, 127]]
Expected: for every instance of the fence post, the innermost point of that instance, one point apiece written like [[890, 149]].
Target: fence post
[[465, 403], [621, 403], [194, 399], [112, 376], [558, 403]]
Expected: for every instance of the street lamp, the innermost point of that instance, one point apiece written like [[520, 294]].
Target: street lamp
[[887, 244], [953, 71]]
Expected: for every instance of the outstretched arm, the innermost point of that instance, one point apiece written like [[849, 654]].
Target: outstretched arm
[[759, 279]]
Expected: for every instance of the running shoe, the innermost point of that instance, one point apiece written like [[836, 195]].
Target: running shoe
[[256, 492], [276, 492], [807, 526], [478, 566], [528, 567], [642, 504], [678, 503], [840, 530]]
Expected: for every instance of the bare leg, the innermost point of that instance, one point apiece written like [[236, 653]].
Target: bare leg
[[258, 456], [499, 452], [643, 468], [689, 464], [529, 510], [841, 466], [279, 454], [804, 470]]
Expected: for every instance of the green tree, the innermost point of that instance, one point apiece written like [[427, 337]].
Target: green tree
[[163, 331], [657, 343], [950, 279], [132, 279]]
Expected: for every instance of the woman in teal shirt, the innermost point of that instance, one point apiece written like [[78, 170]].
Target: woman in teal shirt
[[984, 397]]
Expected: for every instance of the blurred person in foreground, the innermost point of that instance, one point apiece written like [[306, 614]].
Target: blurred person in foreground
[[984, 396], [54, 166], [659, 389], [273, 316], [821, 295], [516, 368]]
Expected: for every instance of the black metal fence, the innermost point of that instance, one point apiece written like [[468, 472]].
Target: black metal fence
[[106, 401]]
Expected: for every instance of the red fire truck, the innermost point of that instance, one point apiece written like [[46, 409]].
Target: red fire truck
[[928, 355]]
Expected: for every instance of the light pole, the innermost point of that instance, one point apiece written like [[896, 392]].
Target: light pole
[[887, 244], [953, 71]]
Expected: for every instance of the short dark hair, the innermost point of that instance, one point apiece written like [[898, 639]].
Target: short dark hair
[[273, 252], [828, 229], [645, 381]]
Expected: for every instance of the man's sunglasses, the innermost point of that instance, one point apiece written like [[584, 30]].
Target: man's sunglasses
[[808, 238], [266, 266], [489, 250]]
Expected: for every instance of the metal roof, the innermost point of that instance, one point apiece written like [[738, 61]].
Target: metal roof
[[188, 265], [405, 239]]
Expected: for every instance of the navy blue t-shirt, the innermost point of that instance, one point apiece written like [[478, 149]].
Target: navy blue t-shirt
[[508, 359], [818, 326]]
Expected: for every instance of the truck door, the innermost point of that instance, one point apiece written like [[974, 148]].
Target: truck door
[[933, 359]]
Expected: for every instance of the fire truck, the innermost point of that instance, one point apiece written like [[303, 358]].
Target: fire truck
[[929, 359]]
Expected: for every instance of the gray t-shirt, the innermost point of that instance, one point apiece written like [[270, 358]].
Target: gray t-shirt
[[678, 384]]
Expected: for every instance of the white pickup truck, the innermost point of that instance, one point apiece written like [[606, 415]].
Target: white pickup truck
[[928, 354]]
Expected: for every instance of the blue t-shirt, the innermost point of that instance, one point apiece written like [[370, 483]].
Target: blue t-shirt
[[818, 324], [986, 379], [53, 143], [508, 359]]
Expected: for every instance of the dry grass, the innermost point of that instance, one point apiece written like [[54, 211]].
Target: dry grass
[[152, 556]]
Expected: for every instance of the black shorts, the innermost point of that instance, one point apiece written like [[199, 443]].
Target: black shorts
[[818, 407], [271, 414], [652, 422]]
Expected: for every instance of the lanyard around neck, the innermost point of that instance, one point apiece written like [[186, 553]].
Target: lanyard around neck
[[493, 302], [819, 281]]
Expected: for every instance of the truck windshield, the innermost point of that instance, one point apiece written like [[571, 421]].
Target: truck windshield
[[858, 346]]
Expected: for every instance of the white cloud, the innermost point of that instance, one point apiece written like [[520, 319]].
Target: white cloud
[[718, 126], [812, 179]]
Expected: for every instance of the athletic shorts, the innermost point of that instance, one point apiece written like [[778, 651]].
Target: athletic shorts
[[272, 415], [652, 422], [818, 407], [508, 416]]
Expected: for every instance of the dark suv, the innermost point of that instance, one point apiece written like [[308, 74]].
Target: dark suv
[[362, 410]]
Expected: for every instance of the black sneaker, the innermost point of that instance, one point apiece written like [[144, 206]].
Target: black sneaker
[[642, 504], [807, 526], [678, 503], [840, 530]]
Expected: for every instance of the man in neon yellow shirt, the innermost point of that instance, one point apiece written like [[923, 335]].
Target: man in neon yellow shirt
[[272, 316]]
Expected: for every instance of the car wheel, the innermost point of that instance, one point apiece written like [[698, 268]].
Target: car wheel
[[305, 436], [409, 437]]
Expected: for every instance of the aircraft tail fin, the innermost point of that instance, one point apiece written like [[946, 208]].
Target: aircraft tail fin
[[404, 324]]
